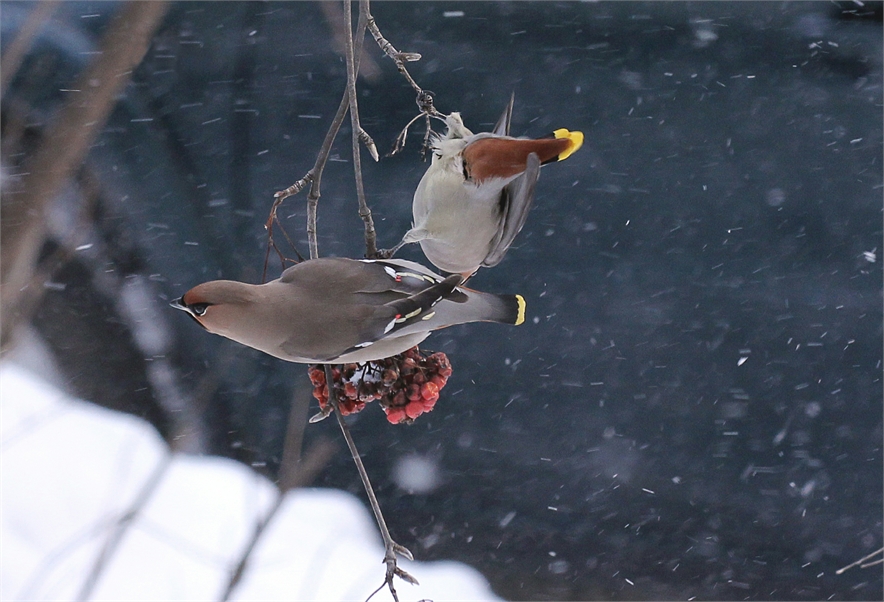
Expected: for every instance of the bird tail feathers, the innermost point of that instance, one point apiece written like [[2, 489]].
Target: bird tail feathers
[[575, 140], [482, 307]]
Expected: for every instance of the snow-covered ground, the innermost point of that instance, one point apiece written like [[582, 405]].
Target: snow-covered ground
[[71, 473]]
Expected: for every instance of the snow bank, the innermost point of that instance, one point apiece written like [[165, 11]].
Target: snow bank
[[69, 472]]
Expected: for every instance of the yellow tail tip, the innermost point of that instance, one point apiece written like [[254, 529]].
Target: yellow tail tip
[[576, 139], [522, 305]]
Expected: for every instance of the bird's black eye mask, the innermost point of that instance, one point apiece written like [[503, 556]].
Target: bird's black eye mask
[[194, 310]]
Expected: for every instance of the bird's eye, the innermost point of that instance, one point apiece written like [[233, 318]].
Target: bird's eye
[[198, 309]]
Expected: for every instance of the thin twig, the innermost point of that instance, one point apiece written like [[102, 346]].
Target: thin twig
[[294, 471], [862, 561], [278, 198], [391, 548], [318, 168], [122, 523], [359, 135], [313, 177], [316, 458], [398, 57], [334, 15], [355, 48], [424, 98]]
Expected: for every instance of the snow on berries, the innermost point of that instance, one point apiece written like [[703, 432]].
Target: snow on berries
[[406, 385]]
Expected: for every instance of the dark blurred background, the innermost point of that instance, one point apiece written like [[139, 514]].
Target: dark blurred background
[[694, 406]]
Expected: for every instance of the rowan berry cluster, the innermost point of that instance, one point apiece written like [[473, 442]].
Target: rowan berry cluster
[[406, 385]]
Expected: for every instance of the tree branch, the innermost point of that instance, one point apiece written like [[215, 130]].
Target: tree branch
[[864, 561], [122, 523], [358, 133], [17, 49], [314, 176], [391, 548], [66, 144], [398, 57], [307, 468], [424, 98]]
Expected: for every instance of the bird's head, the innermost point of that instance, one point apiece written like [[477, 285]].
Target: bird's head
[[194, 304], [213, 304]]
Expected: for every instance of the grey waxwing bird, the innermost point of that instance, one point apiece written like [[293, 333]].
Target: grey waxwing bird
[[475, 196], [337, 310]]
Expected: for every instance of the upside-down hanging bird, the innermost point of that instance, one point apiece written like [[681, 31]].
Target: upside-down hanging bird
[[475, 196]]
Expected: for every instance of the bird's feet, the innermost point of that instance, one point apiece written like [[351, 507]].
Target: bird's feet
[[387, 253]]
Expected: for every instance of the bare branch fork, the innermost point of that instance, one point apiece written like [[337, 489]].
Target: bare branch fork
[[313, 178], [864, 562], [400, 58], [424, 97]]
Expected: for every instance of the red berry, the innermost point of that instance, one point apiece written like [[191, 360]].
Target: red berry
[[430, 390], [395, 415], [414, 392], [317, 377], [414, 409]]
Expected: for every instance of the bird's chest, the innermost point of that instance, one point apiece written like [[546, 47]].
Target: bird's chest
[[445, 204]]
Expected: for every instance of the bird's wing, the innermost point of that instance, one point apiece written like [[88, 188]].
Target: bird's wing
[[339, 277], [395, 278], [343, 305], [502, 128], [388, 319], [518, 196]]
